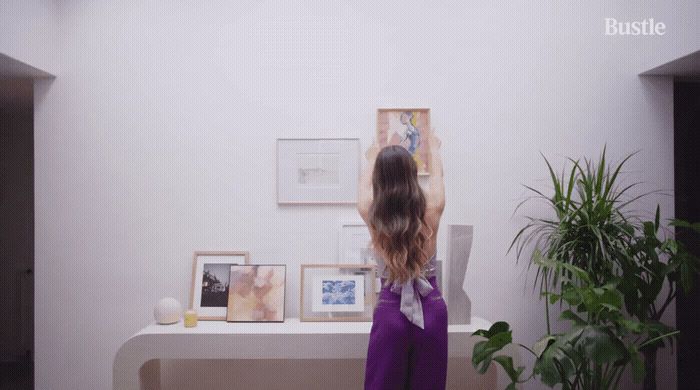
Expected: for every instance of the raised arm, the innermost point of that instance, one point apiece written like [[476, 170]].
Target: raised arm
[[436, 183], [365, 194]]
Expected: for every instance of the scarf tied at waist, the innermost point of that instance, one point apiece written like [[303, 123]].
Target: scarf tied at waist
[[411, 305]]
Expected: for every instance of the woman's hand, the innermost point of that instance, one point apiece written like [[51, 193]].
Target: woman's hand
[[433, 141], [372, 152]]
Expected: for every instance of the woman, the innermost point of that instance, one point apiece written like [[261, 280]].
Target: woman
[[408, 342]]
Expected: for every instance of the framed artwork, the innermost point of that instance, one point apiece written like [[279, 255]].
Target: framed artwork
[[355, 247], [210, 282], [406, 127], [256, 293], [318, 171], [337, 292]]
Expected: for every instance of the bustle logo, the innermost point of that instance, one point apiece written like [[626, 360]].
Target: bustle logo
[[637, 27]]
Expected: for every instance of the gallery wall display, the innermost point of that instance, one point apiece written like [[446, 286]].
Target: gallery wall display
[[211, 271], [256, 293], [337, 292], [407, 127], [318, 171]]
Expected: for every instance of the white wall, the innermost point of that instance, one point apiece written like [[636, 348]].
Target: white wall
[[157, 138], [30, 32]]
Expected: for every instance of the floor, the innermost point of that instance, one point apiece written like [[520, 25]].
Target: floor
[[16, 376]]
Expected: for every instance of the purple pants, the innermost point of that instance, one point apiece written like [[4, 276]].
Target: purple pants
[[400, 354]]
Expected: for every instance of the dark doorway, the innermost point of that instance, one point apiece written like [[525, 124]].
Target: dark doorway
[[16, 233], [686, 101]]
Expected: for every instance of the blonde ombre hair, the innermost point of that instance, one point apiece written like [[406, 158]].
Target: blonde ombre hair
[[397, 214]]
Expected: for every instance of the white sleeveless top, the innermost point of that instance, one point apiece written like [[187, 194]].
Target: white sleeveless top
[[411, 305]]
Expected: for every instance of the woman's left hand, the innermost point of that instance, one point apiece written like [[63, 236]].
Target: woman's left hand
[[372, 152]]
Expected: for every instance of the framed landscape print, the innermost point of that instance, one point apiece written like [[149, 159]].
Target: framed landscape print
[[407, 127], [318, 171], [256, 293], [337, 292], [210, 282]]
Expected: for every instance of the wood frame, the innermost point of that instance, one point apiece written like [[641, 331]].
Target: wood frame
[[196, 254], [277, 171], [371, 297], [381, 143]]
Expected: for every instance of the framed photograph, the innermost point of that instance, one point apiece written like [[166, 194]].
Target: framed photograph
[[210, 282], [318, 171], [337, 292], [407, 127], [256, 293]]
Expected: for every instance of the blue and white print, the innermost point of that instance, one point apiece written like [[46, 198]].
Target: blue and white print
[[339, 292]]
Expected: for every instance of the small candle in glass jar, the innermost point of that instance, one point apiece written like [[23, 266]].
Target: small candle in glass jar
[[190, 319]]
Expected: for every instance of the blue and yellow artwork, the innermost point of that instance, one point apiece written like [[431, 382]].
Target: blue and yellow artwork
[[408, 128]]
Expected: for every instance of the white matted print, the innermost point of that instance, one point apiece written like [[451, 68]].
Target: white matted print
[[318, 171], [210, 282], [338, 293], [355, 245]]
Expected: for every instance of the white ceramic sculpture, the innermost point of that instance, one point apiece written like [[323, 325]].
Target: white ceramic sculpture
[[459, 246], [167, 311]]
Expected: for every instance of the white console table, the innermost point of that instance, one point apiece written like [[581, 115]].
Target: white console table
[[290, 339]]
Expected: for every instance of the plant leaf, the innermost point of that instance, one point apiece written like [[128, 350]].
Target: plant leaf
[[497, 327], [571, 316], [541, 345], [602, 346], [638, 370], [507, 363], [497, 337]]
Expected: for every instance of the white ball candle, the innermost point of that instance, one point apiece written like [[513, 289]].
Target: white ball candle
[[167, 311]]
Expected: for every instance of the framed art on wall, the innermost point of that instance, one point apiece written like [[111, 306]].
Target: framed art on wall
[[337, 292], [318, 171], [256, 293], [407, 127], [355, 245], [210, 282]]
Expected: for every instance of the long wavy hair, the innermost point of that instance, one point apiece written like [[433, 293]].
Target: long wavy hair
[[397, 214]]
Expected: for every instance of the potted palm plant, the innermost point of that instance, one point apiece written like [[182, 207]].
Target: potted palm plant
[[605, 268]]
